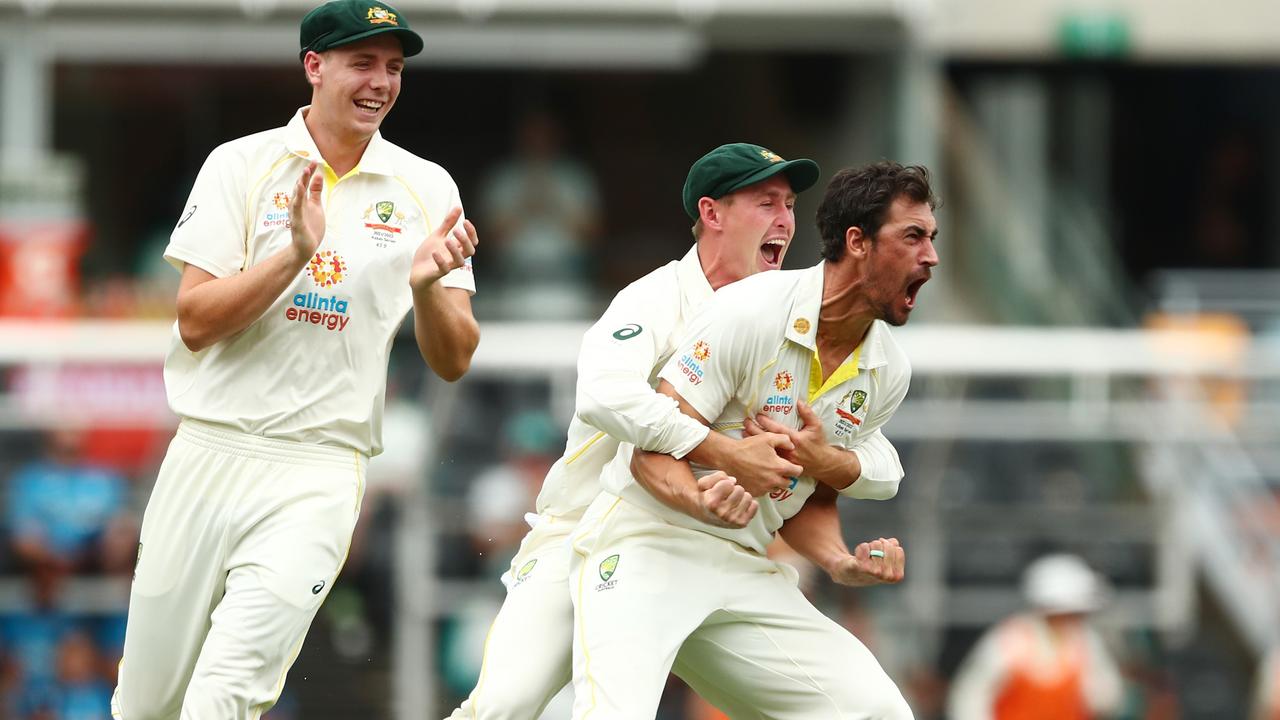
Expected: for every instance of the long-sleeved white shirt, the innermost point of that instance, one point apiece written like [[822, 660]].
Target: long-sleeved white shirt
[[753, 349], [617, 372]]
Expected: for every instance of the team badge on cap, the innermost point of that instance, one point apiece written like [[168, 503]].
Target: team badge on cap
[[378, 16]]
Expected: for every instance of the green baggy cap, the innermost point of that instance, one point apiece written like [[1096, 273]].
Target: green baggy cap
[[345, 21], [736, 165]]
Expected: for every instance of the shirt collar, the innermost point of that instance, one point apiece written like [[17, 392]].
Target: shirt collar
[[802, 321], [694, 288], [376, 158]]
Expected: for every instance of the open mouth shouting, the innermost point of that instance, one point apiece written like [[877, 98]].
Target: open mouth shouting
[[771, 253], [913, 288]]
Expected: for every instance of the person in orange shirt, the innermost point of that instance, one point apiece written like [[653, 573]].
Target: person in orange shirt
[[1044, 664]]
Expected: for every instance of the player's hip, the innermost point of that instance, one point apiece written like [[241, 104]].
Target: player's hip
[[543, 556], [614, 523], [224, 440]]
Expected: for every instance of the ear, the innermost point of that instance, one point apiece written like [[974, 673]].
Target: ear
[[311, 63], [709, 212], [855, 243]]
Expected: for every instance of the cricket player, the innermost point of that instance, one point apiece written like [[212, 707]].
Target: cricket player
[[745, 228], [301, 250], [807, 352]]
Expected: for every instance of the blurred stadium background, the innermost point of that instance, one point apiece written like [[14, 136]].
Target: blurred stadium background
[[1097, 362]]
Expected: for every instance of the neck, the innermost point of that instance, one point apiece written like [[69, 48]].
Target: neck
[[844, 317], [715, 268], [340, 149]]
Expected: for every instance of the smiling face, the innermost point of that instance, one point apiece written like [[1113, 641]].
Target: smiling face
[[354, 86], [756, 225], [901, 259]]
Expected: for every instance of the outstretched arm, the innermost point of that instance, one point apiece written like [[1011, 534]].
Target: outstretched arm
[[814, 532]]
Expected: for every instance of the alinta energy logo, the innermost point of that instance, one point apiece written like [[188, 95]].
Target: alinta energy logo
[[691, 363], [782, 402], [326, 269], [279, 215], [701, 351]]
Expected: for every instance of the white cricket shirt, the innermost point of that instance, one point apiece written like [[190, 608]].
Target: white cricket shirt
[[313, 368], [617, 371], [753, 349]]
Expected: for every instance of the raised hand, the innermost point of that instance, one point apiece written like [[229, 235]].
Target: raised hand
[[723, 502], [444, 250], [879, 562], [306, 213]]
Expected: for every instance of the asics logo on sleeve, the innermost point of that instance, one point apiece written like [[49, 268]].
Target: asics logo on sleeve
[[626, 332]]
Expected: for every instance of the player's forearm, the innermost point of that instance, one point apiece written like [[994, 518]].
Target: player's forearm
[[624, 405], [669, 480], [211, 309], [715, 451], [446, 330], [814, 532], [834, 467]]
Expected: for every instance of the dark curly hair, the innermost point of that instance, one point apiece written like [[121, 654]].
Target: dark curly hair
[[860, 197]]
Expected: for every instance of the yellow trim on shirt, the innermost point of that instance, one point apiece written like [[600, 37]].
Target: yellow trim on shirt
[[426, 218], [585, 447], [250, 204], [847, 371], [755, 387]]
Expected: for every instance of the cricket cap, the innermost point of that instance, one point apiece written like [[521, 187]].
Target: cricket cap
[[736, 165], [342, 22]]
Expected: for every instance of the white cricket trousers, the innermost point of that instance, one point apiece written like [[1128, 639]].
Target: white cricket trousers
[[753, 645], [528, 652], [241, 542]]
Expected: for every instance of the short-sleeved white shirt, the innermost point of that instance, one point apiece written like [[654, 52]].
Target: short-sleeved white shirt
[[617, 370], [313, 368], [753, 350]]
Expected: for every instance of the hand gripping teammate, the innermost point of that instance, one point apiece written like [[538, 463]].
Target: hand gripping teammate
[[649, 582], [746, 230]]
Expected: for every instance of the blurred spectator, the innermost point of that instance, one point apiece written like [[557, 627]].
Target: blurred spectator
[[1266, 689], [541, 213], [30, 641], [497, 503], [1047, 663], [60, 510], [82, 693], [502, 494]]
